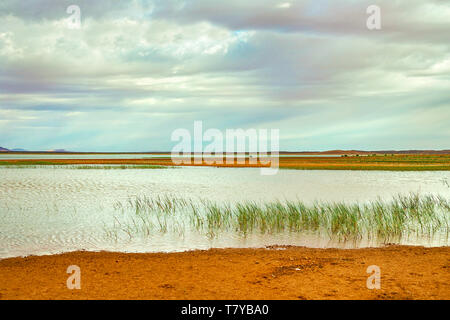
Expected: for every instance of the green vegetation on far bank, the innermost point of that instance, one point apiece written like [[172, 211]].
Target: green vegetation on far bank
[[371, 168], [415, 162], [39, 164]]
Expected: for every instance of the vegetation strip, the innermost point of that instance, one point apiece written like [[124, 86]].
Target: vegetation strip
[[378, 162], [391, 220]]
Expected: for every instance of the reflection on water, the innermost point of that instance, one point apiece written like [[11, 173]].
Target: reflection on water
[[50, 210]]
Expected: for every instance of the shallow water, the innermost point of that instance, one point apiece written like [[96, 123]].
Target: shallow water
[[49, 156], [53, 210]]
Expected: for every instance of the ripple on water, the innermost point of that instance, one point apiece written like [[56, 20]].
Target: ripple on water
[[55, 210]]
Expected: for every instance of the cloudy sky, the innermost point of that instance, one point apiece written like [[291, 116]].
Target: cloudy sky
[[137, 70]]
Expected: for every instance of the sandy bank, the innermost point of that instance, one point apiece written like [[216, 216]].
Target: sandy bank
[[272, 273]]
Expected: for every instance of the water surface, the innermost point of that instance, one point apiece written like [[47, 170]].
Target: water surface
[[53, 210], [51, 156]]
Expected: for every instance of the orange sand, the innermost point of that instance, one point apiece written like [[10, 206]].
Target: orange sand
[[291, 273]]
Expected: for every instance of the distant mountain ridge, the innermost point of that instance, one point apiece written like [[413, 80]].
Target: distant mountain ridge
[[24, 150]]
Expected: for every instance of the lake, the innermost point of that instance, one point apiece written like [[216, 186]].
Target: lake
[[51, 156], [53, 210]]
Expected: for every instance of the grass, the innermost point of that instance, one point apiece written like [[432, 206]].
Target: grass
[[414, 162], [113, 167], [385, 220], [373, 162], [370, 168], [42, 164]]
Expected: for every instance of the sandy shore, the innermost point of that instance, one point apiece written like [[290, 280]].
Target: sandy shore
[[271, 273]]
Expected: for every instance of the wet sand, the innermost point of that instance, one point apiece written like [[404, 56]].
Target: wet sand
[[270, 273]]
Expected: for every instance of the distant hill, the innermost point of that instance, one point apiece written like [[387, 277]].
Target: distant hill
[[414, 152], [347, 152], [3, 149], [18, 150]]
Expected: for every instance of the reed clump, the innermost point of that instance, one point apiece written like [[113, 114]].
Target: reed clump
[[401, 216]]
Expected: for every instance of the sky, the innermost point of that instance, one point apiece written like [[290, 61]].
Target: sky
[[135, 71]]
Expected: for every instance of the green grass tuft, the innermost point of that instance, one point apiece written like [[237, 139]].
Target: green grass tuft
[[385, 220]]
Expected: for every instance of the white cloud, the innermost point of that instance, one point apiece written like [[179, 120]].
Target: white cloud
[[142, 70], [284, 5]]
